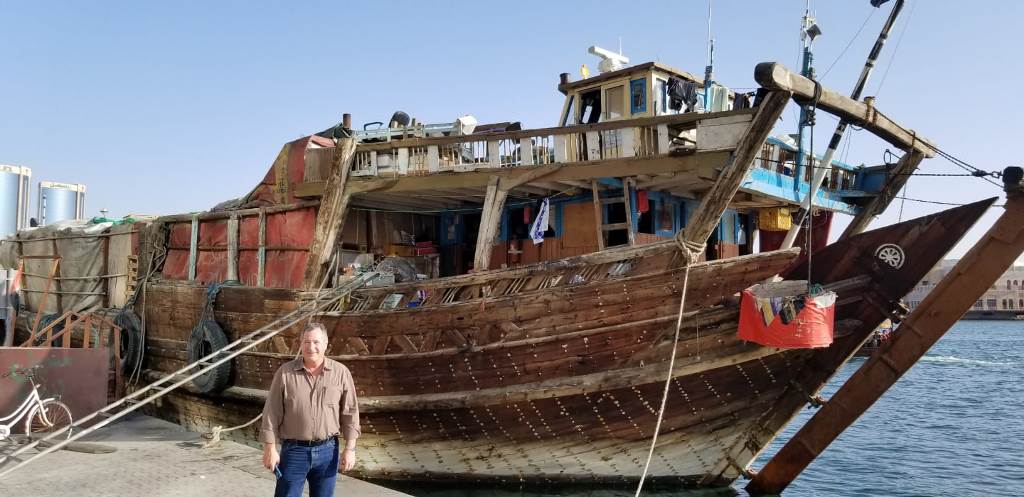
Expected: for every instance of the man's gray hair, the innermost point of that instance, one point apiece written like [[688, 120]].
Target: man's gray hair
[[317, 327]]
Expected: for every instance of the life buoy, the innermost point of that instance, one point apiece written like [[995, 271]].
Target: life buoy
[[131, 340], [206, 338]]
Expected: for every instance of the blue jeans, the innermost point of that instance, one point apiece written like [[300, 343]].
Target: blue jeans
[[317, 464]]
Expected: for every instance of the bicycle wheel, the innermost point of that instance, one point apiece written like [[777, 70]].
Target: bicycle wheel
[[53, 416]]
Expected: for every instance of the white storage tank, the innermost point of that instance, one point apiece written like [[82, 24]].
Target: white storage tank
[[60, 202], [14, 195]]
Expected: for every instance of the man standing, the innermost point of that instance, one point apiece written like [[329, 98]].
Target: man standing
[[311, 401]]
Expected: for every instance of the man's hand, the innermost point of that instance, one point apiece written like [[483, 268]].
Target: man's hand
[[270, 456], [348, 459]]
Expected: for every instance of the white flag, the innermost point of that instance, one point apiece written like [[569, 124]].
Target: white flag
[[540, 224]]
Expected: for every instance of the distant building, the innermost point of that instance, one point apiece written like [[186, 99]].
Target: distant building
[[60, 202], [1004, 300], [14, 193]]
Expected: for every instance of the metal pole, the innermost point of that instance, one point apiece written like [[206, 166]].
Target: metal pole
[[807, 70], [826, 161]]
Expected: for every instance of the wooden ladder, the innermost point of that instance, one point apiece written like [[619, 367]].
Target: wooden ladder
[[602, 227]]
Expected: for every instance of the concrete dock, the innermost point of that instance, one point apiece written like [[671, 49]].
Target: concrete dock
[[154, 458]]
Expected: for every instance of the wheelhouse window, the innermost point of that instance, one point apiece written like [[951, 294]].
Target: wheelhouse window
[[614, 103], [590, 107], [638, 96], [660, 97]]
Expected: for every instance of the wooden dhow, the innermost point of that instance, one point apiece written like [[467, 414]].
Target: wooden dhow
[[549, 366]]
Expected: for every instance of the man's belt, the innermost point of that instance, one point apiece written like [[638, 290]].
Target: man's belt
[[310, 443]]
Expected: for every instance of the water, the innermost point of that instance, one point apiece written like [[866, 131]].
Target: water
[[952, 426]]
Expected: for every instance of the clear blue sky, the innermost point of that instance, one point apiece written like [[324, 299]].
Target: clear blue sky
[[174, 106]]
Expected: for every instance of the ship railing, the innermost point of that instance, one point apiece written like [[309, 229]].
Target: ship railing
[[771, 158], [621, 139]]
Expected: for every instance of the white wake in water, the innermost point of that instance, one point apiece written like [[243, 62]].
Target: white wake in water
[[948, 359]]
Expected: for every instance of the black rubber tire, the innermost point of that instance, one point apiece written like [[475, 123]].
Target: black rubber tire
[[206, 338], [131, 339]]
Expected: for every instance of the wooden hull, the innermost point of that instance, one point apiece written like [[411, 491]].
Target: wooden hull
[[536, 375]]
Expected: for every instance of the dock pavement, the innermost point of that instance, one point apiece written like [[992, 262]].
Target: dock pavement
[[148, 457]]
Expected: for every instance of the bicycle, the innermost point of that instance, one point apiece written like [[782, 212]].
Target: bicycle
[[44, 415]]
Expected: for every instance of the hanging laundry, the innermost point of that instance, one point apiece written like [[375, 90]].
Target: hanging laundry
[[527, 214], [782, 314], [741, 101], [642, 203], [540, 225], [682, 92]]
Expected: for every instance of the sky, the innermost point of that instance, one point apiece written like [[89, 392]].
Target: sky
[[172, 107]]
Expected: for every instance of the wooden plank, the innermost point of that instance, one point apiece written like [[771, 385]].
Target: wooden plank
[[628, 184], [193, 251], [904, 168], [261, 251], [715, 201], [331, 217], [209, 216], [775, 76], [942, 307], [232, 273], [490, 220], [689, 118], [598, 214], [705, 162]]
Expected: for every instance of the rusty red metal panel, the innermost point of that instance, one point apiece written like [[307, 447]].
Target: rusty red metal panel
[[211, 262], [292, 228], [78, 376]]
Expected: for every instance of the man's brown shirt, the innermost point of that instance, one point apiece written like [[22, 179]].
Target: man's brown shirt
[[301, 406]]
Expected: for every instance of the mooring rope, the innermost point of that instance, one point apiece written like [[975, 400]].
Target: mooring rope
[[691, 251], [214, 435]]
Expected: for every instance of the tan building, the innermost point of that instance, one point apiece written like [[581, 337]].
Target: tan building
[[1005, 300]]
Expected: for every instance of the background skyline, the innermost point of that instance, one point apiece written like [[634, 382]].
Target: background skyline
[[175, 107]]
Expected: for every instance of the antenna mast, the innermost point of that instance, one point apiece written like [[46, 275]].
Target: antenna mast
[[709, 73], [837, 136]]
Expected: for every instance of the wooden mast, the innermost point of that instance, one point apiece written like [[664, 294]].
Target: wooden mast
[[951, 298]]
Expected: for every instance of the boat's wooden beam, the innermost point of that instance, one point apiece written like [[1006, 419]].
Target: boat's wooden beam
[[714, 202], [532, 190], [498, 188], [579, 171], [952, 297], [689, 119], [409, 201], [775, 76], [901, 173], [490, 221], [331, 217]]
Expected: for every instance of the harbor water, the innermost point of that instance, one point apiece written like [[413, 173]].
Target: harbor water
[[952, 426]]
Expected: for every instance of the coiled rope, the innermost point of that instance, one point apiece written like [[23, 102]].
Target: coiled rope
[[691, 252]]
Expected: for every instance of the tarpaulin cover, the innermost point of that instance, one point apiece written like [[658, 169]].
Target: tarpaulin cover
[[88, 271], [781, 315]]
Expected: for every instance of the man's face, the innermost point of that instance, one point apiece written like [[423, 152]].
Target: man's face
[[313, 346]]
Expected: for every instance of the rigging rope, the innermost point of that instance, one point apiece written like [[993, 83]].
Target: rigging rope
[[848, 45], [896, 48]]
